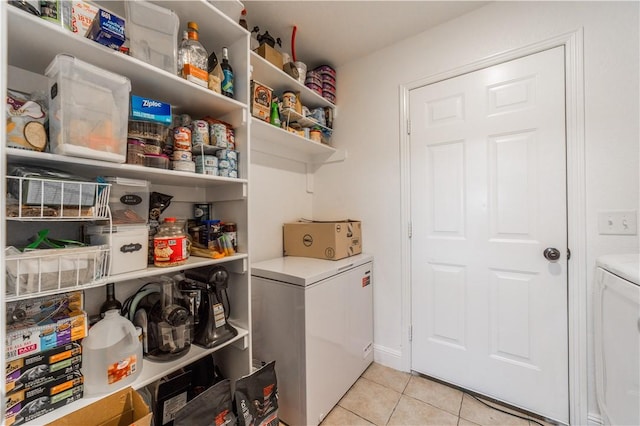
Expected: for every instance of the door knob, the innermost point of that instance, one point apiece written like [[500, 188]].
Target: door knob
[[551, 254]]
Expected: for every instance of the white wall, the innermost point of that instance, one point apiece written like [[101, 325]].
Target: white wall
[[277, 194], [366, 185]]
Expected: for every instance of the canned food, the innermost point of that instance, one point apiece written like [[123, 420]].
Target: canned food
[[289, 100], [199, 132], [227, 154], [206, 160], [227, 172], [181, 156], [182, 139], [218, 135], [184, 166], [210, 171]]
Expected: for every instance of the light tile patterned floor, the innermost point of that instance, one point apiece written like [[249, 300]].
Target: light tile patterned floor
[[383, 396]]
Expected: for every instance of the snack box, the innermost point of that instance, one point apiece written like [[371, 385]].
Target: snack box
[[107, 29], [43, 323], [261, 96], [36, 370], [25, 405]]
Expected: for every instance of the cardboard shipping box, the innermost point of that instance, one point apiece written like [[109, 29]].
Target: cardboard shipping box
[[271, 55], [125, 407], [323, 240]]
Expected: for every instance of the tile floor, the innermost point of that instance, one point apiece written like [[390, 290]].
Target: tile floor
[[383, 396]]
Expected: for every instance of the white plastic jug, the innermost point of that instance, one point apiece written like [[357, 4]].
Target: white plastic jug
[[111, 354]]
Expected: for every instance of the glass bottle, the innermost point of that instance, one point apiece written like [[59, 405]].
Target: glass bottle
[[243, 19], [193, 57], [111, 302], [227, 82]]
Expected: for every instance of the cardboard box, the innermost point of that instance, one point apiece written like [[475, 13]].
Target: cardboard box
[[26, 405], [125, 407], [36, 370], [323, 240], [107, 29], [44, 323], [261, 96], [147, 109], [271, 55]]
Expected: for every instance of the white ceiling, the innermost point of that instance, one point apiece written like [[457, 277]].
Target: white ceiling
[[336, 32]]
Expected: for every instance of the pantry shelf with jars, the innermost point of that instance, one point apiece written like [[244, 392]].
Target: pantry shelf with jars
[[278, 141], [32, 45]]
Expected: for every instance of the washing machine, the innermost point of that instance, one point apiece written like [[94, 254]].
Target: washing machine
[[617, 338]]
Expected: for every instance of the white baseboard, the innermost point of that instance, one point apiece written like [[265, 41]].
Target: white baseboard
[[594, 419], [388, 357]]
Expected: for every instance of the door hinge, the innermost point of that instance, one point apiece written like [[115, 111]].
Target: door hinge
[[410, 333], [408, 127], [410, 230], [568, 253]]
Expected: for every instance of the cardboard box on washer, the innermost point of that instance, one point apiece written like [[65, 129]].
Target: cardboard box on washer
[[323, 240]]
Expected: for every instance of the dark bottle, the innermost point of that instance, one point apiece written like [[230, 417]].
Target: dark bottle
[[227, 82], [111, 302]]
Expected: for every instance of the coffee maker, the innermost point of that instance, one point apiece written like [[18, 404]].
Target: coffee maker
[[206, 291], [159, 308]]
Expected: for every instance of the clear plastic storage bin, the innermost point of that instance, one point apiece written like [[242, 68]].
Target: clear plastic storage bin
[[153, 33], [128, 200], [89, 110]]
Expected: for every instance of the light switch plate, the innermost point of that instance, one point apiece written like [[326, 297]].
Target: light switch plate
[[618, 222]]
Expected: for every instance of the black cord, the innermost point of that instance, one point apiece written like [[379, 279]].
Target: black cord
[[503, 411]]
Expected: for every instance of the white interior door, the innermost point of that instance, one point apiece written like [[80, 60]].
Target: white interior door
[[488, 196]]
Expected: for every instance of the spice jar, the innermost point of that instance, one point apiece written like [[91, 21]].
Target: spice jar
[[170, 244]]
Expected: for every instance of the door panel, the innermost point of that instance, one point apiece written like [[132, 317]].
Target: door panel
[[488, 195]]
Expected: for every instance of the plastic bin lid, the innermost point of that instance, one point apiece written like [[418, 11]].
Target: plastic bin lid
[[104, 229], [66, 60], [154, 17], [114, 180]]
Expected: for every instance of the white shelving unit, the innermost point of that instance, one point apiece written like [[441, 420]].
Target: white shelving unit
[[276, 141], [32, 43]]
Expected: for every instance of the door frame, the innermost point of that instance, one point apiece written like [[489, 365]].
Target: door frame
[[576, 206]]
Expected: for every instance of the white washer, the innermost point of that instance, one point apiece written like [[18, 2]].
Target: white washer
[[617, 338], [313, 317]]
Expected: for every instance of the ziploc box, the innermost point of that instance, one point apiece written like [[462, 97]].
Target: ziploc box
[[43, 323], [36, 370], [150, 110], [107, 29], [25, 405], [323, 240]]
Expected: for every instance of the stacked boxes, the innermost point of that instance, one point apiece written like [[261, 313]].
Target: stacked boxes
[[43, 356]]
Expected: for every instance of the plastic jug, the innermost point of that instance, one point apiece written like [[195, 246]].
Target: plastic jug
[[111, 354]]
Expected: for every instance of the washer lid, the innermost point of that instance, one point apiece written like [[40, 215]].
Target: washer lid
[[304, 271], [625, 266]]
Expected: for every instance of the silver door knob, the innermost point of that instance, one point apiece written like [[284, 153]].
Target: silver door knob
[[551, 254]]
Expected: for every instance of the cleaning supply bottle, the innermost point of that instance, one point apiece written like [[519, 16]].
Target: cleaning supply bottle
[[111, 354]]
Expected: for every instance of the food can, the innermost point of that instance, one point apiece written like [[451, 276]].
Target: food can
[[231, 138], [206, 160], [201, 211], [218, 135], [181, 156], [135, 151], [184, 166], [227, 172], [227, 154], [289, 100], [230, 229], [199, 132], [210, 171], [182, 139]]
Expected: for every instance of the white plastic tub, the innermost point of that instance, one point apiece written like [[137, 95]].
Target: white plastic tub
[[88, 110], [129, 246]]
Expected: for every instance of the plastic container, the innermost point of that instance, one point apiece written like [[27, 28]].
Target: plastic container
[[129, 246], [170, 244], [159, 161], [152, 31], [111, 355], [148, 130], [128, 200], [88, 110]]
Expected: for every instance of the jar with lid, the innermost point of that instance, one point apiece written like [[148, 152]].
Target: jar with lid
[[230, 229], [170, 244]]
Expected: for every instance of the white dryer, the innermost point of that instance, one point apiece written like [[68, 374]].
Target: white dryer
[[617, 338]]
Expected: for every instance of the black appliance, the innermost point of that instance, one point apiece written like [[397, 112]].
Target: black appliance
[[206, 289]]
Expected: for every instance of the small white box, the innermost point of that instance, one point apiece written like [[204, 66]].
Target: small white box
[[129, 246]]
